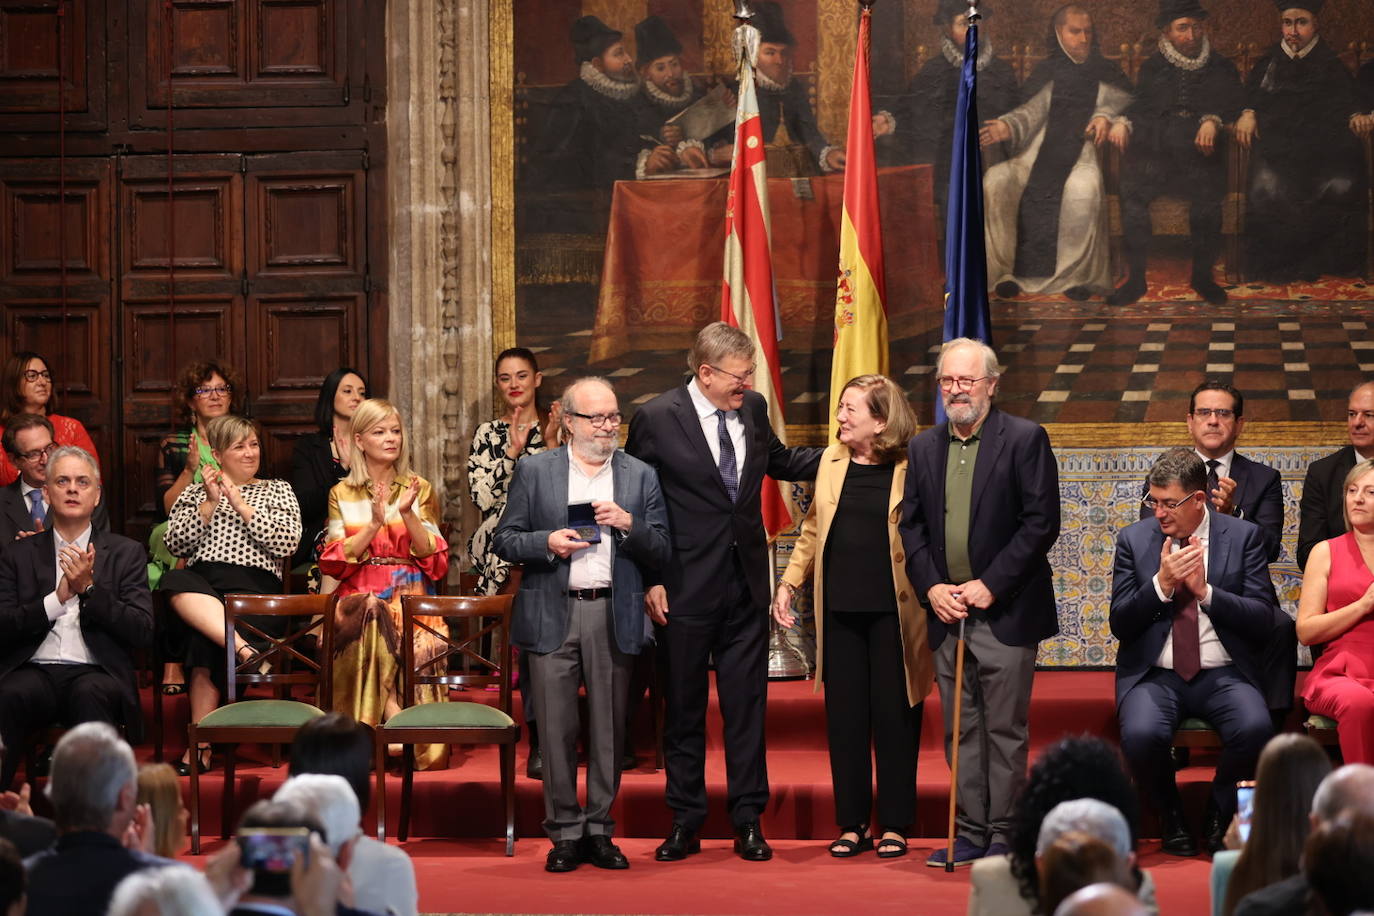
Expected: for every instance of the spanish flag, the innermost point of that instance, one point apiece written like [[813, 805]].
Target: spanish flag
[[860, 310], [747, 295]]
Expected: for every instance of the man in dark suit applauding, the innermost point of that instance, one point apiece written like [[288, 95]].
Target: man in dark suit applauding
[[586, 521], [711, 444], [1193, 607], [24, 508], [74, 603], [1321, 511], [979, 517]]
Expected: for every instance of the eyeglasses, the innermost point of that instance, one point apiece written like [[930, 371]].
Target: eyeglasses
[[221, 391], [81, 483], [598, 420], [748, 373], [1221, 413], [1169, 505], [39, 454], [961, 383], [33, 375]]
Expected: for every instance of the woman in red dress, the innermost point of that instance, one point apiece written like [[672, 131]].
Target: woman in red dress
[[28, 389], [1337, 609]]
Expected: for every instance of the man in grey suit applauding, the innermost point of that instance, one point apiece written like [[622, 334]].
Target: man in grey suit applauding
[[587, 521]]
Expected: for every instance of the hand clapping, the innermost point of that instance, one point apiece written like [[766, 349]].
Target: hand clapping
[[407, 502], [78, 569]]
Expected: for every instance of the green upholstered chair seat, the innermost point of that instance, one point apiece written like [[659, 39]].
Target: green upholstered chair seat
[[450, 715], [1193, 724], [261, 714], [1316, 721]]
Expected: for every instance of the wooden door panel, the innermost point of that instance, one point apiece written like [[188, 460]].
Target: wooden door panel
[[41, 51], [297, 342], [280, 58], [278, 440], [30, 234], [203, 329], [202, 216], [138, 478], [307, 217]]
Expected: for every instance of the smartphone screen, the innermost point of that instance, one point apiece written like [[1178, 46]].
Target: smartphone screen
[[1245, 808], [273, 849]]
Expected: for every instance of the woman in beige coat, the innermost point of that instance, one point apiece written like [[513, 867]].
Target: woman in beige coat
[[871, 648]]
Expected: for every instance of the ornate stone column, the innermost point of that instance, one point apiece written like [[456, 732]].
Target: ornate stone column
[[439, 190]]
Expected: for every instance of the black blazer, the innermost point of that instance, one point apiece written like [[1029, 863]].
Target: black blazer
[[313, 473], [1244, 608], [116, 619], [1321, 511], [1258, 496], [1013, 523], [666, 434], [14, 515], [78, 876], [28, 834]]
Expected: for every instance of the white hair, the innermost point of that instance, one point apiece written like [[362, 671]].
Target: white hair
[[330, 800], [74, 451], [174, 890], [1087, 815], [91, 766], [991, 367]]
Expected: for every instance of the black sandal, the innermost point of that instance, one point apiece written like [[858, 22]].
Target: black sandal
[[890, 847], [843, 849], [203, 756], [173, 690]]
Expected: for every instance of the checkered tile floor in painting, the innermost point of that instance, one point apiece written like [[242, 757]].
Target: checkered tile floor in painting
[[1295, 353]]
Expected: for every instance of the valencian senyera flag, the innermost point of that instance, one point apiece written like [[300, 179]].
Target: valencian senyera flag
[[748, 299], [966, 261], [861, 291]]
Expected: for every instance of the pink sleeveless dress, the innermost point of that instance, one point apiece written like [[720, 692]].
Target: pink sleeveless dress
[[1341, 685]]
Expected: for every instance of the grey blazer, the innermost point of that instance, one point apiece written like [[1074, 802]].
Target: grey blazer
[[536, 505]]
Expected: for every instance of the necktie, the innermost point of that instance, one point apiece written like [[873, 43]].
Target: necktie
[[1187, 648], [37, 511], [1212, 465], [729, 475]]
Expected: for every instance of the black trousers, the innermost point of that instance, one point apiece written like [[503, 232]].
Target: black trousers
[[40, 696], [866, 706], [1152, 709], [735, 632], [1180, 172]]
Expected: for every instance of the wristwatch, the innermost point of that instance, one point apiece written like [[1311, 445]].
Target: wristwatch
[[86, 592]]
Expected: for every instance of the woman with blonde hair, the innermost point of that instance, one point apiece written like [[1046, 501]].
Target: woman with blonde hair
[[234, 531], [382, 541], [160, 790], [871, 648]]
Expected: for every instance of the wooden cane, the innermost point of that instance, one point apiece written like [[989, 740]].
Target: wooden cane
[[954, 746]]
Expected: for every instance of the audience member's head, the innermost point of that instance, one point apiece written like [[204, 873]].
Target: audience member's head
[[172, 890], [93, 781], [1350, 786], [160, 790], [1290, 768], [1091, 816], [205, 390], [1339, 862], [330, 800], [1075, 767], [339, 745], [28, 440], [12, 880], [1076, 859], [1101, 900]]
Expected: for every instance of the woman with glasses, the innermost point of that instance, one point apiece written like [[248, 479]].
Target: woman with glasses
[[234, 531], [320, 460], [1336, 609], [382, 541], [871, 648], [30, 390]]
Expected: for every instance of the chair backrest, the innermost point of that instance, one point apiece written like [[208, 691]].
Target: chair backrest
[[291, 662], [479, 668]]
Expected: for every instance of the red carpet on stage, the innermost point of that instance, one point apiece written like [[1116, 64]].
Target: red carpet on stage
[[461, 868]]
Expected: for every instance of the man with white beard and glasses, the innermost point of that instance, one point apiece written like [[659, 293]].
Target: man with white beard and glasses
[[980, 514], [586, 521]]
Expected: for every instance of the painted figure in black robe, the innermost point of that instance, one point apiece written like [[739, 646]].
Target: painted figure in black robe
[[1307, 173], [1186, 93], [796, 145], [1046, 226], [924, 118]]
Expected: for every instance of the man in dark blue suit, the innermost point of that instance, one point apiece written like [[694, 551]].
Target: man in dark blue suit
[[579, 612], [1193, 607], [979, 516], [711, 443]]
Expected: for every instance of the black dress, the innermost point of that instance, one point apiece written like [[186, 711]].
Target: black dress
[[314, 471]]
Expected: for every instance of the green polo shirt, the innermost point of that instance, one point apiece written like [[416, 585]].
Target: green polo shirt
[[963, 454]]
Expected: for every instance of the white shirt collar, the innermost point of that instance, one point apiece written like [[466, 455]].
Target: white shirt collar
[[25, 489], [82, 541], [703, 406], [1303, 51]]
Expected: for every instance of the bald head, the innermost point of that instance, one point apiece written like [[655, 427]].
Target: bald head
[[1101, 900], [1351, 786]]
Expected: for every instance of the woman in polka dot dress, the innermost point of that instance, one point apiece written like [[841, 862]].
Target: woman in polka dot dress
[[235, 531]]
